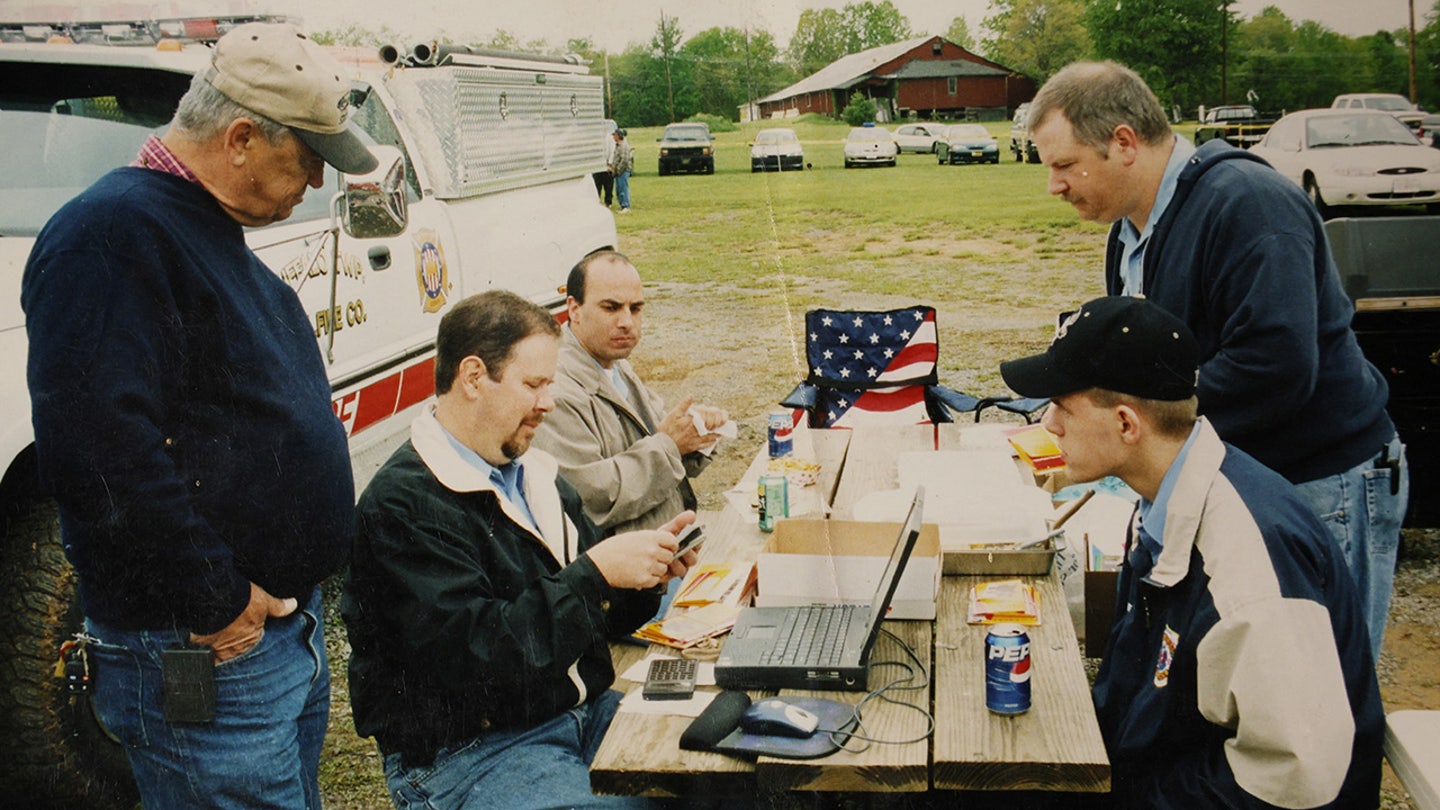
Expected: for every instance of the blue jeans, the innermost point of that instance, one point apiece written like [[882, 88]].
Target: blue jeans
[[263, 748], [540, 767], [1364, 515], [622, 189]]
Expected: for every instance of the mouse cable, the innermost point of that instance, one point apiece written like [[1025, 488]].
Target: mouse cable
[[901, 683]]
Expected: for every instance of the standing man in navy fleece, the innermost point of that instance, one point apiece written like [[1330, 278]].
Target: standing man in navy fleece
[[183, 423], [1237, 252]]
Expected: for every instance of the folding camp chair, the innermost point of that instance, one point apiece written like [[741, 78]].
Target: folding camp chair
[[869, 368]]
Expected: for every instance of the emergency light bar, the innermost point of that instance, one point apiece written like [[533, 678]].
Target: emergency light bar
[[134, 33]]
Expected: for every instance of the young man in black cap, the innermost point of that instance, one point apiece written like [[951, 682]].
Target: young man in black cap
[[1238, 670]]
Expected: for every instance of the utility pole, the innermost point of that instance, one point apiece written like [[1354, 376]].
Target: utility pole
[[665, 46], [750, 111], [1414, 95], [1225, 50], [609, 88]]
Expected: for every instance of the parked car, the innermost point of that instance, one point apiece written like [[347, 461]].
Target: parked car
[[870, 144], [1353, 157], [777, 149], [967, 143], [918, 137], [1393, 103], [1020, 144], [1429, 130], [1238, 124], [686, 148]]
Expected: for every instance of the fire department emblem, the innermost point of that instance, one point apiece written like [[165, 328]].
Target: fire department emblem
[[1168, 642], [431, 273]]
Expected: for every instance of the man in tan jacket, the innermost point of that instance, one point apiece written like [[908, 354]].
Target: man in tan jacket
[[617, 445]]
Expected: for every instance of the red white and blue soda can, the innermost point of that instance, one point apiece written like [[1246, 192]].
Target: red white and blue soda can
[[780, 427], [1007, 669]]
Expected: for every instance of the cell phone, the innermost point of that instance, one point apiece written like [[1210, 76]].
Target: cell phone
[[670, 679], [188, 678], [689, 537]]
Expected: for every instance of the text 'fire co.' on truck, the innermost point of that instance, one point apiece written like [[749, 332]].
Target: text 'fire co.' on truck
[[484, 182]]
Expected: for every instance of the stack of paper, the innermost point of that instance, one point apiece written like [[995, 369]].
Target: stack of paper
[[691, 627], [712, 583], [1036, 447], [1008, 601]]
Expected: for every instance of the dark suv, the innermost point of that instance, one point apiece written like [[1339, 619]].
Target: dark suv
[[687, 148]]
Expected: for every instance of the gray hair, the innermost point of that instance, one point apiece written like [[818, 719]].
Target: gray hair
[[1096, 97], [205, 112]]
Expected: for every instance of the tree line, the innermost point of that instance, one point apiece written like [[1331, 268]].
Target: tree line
[[1192, 52]]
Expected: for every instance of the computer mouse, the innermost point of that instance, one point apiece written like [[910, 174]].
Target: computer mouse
[[774, 717]]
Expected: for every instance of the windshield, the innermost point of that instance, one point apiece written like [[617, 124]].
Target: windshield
[[870, 134], [1389, 104], [1328, 131], [968, 131], [690, 133], [772, 136], [64, 126]]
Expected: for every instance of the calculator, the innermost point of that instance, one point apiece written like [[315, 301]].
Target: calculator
[[670, 679]]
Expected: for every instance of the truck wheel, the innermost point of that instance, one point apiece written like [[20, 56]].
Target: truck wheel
[[47, 754]]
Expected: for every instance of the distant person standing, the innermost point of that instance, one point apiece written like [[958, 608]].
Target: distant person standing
[[621, 166], [605, 181]]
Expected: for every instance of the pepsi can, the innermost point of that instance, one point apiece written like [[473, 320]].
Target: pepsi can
[[774, 492], [780, 427], [1007, 669]]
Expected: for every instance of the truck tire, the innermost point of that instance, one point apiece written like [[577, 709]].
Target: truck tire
[[1312, 190], [50, 756]]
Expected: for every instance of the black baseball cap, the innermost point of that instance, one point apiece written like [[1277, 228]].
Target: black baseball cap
[[1122, 344]]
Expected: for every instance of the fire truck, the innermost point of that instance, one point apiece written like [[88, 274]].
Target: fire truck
[[484, 182]]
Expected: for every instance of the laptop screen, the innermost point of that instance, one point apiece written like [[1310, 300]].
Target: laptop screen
[[890, 579]]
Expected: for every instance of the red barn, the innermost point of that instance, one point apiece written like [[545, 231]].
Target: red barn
[[930, 76]]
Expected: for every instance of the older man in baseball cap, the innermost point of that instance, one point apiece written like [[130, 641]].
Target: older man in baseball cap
[[183, 423], [1238, 671]]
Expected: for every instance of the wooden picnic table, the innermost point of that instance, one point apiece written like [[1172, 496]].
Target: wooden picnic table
[[1056, 746]]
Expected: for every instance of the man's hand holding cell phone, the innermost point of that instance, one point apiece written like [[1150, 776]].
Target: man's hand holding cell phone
[[689, 539]]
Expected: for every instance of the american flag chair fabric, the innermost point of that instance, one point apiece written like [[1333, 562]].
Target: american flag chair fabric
[[879, 367]]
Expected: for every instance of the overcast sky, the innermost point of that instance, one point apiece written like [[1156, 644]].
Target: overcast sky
[[615, 24]]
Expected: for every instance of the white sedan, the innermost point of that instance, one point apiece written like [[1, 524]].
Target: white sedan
[[870, 144], [1353, 157], [918, 137]]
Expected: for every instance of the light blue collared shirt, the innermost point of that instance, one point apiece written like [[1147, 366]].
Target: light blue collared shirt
[[509, 478], [1152, 514], [1132, 242]]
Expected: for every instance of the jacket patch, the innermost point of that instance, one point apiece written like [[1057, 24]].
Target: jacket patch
[[1168, 642]]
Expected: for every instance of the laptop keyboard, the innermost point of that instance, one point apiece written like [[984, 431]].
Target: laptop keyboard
[[811, 636]]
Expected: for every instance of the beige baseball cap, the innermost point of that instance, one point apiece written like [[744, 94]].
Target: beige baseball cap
[[278, 72]]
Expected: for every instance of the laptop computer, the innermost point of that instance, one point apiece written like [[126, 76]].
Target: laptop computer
[[815, 646]]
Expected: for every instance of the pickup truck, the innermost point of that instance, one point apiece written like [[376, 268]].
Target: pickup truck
[[1238, 124], [1020, 144], [484, 182]]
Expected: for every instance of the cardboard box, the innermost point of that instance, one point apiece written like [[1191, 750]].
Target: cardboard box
[[835, 561]]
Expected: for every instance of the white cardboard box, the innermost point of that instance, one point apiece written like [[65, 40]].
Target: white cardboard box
[[807, 562]]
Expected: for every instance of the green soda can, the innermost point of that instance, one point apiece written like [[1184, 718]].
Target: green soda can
[[774, 500]]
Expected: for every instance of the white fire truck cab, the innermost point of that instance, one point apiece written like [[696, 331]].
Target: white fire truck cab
[[484, 182]]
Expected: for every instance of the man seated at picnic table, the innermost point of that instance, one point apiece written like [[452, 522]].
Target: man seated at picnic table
[[1238, 672], [480, 598], [630, 459]]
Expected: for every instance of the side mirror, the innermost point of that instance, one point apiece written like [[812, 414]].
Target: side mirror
[[375, 204]]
